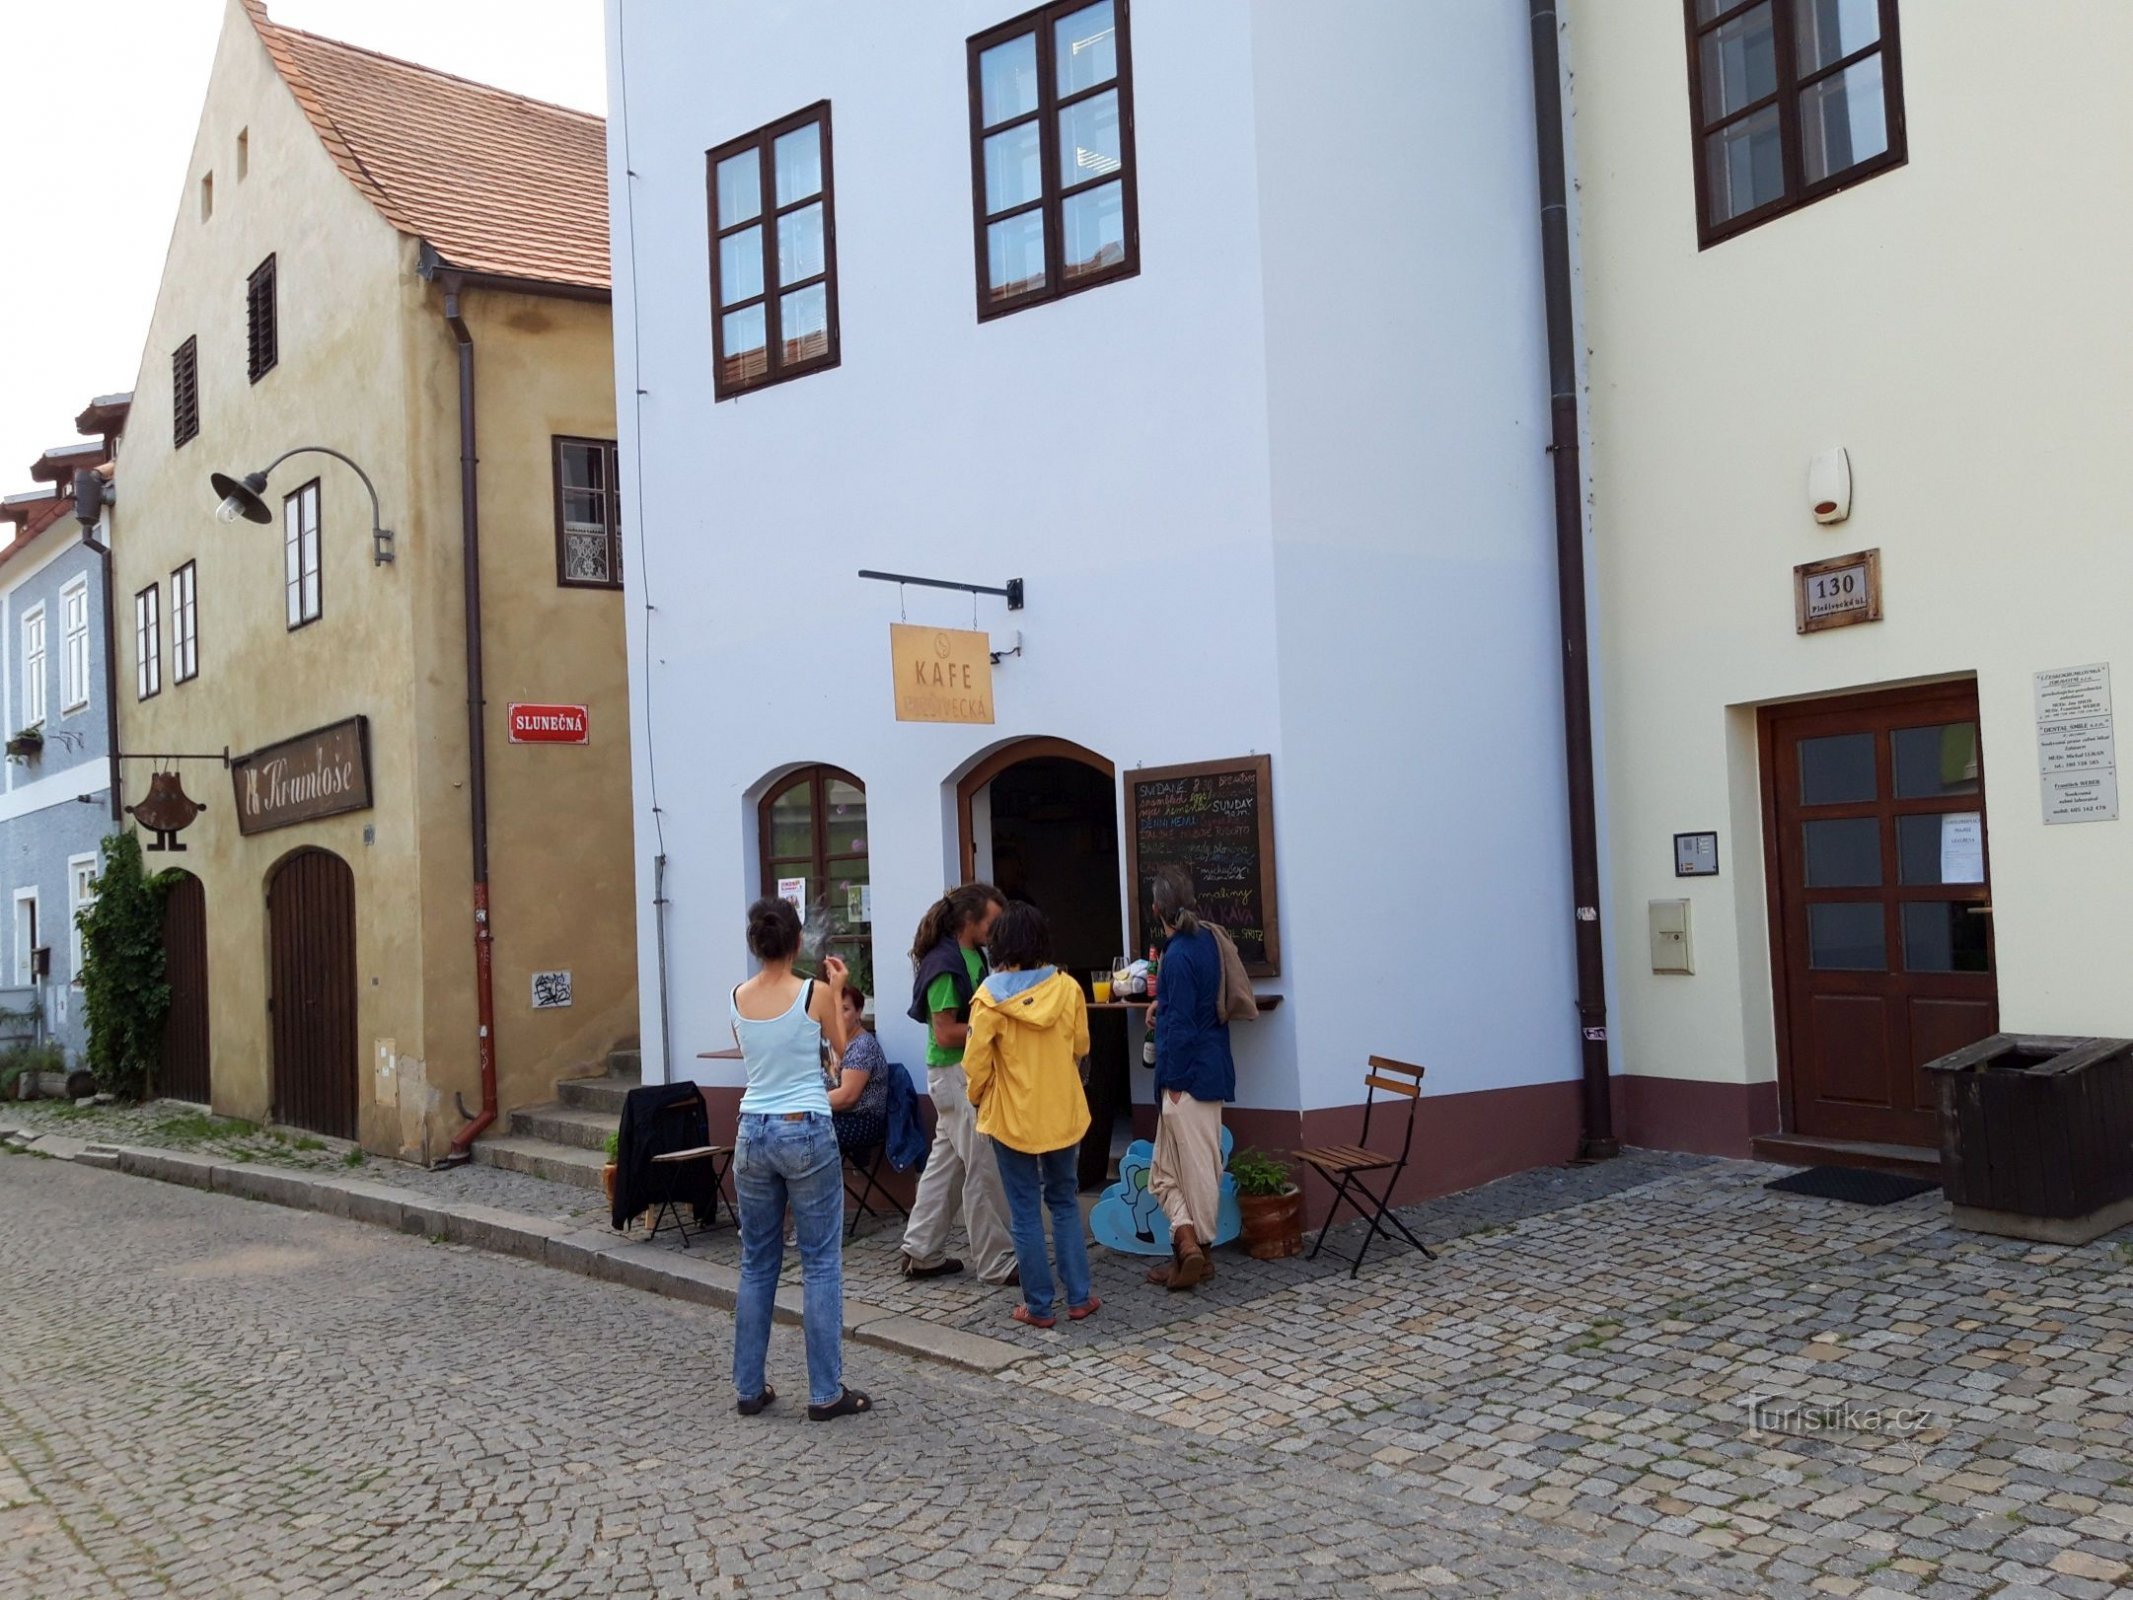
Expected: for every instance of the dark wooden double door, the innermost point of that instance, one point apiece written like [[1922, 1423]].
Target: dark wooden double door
[[311, 997], [182, 1072], [1881, 906]]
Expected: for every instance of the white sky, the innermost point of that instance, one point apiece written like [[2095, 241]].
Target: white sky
[[100, 102]]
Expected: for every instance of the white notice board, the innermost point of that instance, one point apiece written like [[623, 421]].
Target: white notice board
[[2077, 747]]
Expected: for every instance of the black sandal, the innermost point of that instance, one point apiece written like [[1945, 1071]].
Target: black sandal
[[946, 1269], [751, 1408], [848, 1404]]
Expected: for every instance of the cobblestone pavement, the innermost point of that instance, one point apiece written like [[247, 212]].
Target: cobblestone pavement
[[206, 1397], [1594, 1368]]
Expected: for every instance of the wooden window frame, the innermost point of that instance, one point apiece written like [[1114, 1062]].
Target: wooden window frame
[[1051, 202], [185, 624], [262, 322], [817, 863], [185, 393], [612, 456], [764, 141], [1791, 84], [318, 539], [148, 642], [74, 681], [36, 666]]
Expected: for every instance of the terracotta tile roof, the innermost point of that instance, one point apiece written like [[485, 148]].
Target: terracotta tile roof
[[493, 181]]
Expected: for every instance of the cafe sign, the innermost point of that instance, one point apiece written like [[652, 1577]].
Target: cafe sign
[[942, 674], [318, 774]]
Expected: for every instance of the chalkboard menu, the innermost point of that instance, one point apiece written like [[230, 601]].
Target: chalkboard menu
[[1216, 820]]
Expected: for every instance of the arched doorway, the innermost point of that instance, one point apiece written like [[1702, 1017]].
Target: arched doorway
[[1039, 818], [182, 1073], [311, 993]]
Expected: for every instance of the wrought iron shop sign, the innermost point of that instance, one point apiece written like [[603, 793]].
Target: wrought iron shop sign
[[318, 774]]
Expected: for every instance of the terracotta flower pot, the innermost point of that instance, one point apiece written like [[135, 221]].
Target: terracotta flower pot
[[607, 1182], [1273, 1224]]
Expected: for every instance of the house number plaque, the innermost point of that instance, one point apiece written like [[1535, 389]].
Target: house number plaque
[[1837, 592]]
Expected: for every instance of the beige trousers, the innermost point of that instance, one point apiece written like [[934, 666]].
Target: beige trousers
[[1186, 1175], [961, 1174]]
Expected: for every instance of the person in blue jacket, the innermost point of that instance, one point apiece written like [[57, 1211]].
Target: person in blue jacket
[[1195, 1077]]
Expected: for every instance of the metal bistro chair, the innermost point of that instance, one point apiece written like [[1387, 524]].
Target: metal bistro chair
[[1347, 1166], [672, 1182], [865, 1167]]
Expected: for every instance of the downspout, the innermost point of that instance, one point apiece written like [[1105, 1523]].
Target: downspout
[[1599, 1140], [103, 496], [477, 748]]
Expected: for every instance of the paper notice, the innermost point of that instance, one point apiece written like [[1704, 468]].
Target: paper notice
[[1962, 847], [2077, 750], [793, 891]]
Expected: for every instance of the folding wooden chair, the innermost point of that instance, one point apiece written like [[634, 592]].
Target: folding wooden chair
[[1347, 1166], [865, 1166]]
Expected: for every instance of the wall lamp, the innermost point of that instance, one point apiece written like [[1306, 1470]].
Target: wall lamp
[[242, 497]]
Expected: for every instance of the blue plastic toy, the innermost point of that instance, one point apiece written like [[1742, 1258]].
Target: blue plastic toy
[[1126, 1217]]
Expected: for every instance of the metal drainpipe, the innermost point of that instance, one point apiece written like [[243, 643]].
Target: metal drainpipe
[[477, 749], [1599, 1139], [111, 710]]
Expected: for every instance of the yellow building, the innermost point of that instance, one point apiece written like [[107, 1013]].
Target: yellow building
[[404, 275]]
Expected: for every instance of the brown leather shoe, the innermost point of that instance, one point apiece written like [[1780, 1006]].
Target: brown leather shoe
[[1160, 1274]]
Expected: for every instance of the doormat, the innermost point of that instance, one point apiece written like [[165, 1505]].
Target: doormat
[[1855, 1184]]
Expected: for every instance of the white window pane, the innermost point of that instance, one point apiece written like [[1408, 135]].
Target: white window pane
[[1089, 145], [740, 188], [1744, 165], [740, 266], [801, 252], [1007, 80], [1014, 253], [1842, 120], [1085, 48], [311, 594], [1830, 30], [803, 324], [1014, 168], [797, 157], [744, 356], [295, 611], [1739, 64], [1093, 228]]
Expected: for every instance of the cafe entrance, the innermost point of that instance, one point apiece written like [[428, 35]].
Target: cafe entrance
[[1039, 818], [1881, 907]]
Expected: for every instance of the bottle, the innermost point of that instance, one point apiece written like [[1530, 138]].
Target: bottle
[[1153, 964], [1148, 1043]]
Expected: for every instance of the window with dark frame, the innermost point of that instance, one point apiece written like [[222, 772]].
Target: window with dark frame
[[588, 515], [814, 828], [185, 393], [773, 254], [184, 625], [1792, 100], [263, 338], [300, 555], [148, 643], [1051, 155]]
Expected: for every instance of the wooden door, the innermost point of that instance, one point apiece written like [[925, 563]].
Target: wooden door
[[1881, 905], [183, 1071], [312, 992]]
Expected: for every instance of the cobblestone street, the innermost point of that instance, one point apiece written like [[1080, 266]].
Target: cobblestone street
[[211, 1397]]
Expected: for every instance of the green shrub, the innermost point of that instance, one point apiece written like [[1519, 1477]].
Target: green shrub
[[124, 996], [24, 1058], [613, 1147], [1258, 1173]]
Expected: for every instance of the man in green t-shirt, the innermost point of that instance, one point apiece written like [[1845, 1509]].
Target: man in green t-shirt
[[961, 1177]]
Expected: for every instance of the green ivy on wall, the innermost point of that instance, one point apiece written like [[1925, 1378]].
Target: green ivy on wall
[[123, 992]]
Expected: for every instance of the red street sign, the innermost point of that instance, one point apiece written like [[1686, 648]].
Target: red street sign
[[535, 724]]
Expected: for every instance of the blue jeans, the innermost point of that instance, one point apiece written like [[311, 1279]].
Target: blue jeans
[[1035, 1184], [777, 1163]]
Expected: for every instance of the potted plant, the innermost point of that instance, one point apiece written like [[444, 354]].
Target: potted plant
[[1269, 1204], [607, 1173], [27, 743]]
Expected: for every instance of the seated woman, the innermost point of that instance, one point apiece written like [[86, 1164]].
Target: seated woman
[[859, 1105]]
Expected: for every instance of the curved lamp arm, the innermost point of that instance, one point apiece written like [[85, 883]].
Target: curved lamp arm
[[245, 498]]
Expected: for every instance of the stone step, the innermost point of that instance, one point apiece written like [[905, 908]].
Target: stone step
[[574, 1126], [626, 1063], [596, 1094], [537, 1158]]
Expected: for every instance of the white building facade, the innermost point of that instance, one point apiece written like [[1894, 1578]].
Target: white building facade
[[1848, 294], [1272, 470]]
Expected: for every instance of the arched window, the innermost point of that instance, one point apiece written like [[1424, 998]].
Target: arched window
[[813, 831]]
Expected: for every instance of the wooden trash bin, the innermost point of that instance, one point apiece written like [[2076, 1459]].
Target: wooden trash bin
[[2036, 1136]]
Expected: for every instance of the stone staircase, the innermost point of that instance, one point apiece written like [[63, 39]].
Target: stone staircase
[[565, 1140]]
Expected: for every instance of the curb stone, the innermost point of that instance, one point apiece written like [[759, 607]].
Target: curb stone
[[566, 1246]]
